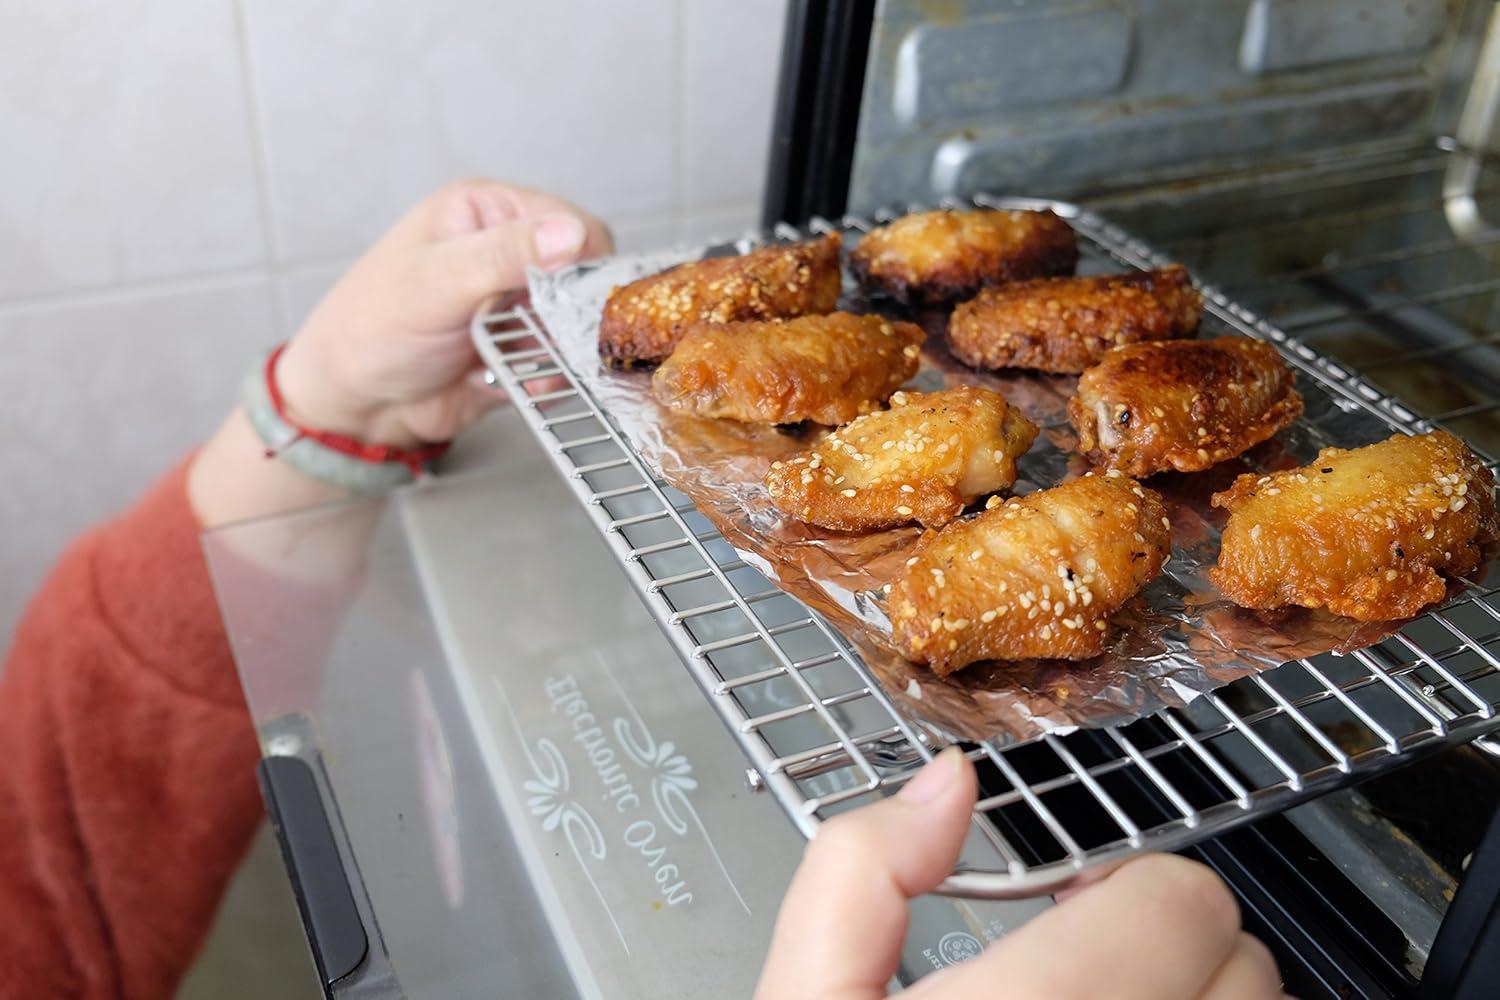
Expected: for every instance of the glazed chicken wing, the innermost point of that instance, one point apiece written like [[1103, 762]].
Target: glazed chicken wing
[[1037, 576], [826, 369], [1182, 404], [941, 256], [1066, 324], [925, 459], [643, 320], [1365, 533]]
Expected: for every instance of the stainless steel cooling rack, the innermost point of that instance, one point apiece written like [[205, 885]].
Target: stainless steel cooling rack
[[821, 736]]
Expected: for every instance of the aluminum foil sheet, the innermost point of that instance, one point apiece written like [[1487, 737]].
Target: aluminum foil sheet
[[1178, 639]]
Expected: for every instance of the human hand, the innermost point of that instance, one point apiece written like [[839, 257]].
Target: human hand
[[386, 356], [1160, 927]]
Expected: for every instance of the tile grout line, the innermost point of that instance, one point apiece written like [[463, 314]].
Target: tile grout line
[[103, 294], [151, 287], [271, 241], [679, 122]]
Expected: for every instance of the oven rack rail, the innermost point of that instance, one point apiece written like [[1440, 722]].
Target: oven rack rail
[[821, 736]]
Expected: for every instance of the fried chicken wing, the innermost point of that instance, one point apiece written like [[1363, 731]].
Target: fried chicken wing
[[1365, 533], [925, 459], [1066, 324], [941, 256], [1182, 404], [643, 320], [1037, 576], [826, 369]]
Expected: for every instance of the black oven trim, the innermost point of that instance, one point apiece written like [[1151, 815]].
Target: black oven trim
[[825, 49]]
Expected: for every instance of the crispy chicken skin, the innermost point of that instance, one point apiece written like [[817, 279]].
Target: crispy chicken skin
[[1182, 404], [826, 369], [1364, 533], [1066, 324], [643, 320], [925, 459], [934, 257], [1037, 576]]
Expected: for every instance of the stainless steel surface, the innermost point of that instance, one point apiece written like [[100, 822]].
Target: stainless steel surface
[[1072, 99], [526, 792], [1272, 741]]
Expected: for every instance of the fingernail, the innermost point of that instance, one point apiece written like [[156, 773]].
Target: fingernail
[[558, 239], [934, 779]]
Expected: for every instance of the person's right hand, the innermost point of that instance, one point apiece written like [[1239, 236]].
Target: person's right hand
[[1159, 928]]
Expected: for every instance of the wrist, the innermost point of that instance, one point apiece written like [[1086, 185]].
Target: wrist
[[313, 398]]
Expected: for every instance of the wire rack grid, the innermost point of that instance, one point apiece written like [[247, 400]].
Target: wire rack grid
[[821, 736]]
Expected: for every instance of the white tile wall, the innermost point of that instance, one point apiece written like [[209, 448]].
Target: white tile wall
[[181, 179], [103, 395], [127, 156], [392, 98], [729, 78]]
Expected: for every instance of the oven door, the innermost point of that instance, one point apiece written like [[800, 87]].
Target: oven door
[[488, 772]]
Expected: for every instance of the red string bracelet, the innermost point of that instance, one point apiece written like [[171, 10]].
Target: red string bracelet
[[413, 458]]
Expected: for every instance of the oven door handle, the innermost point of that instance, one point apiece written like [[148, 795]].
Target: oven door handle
[[1465, 959], [330, 917]]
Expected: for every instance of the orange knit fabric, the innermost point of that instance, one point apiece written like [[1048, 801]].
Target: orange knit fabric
[[127, 763]]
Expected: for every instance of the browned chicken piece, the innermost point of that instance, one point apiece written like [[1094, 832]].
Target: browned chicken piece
[[925, 459], [1365, 533], [826, 369], [943, 256], [644, 320], [1066, 324], [1182, 404], [1037, 576]]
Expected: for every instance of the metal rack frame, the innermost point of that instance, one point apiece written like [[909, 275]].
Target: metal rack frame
[[821, 736]]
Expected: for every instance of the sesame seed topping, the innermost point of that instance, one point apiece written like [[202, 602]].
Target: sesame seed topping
[[904, 510], [848, 493]]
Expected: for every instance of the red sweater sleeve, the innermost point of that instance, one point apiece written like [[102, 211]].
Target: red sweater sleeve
[[127, 763]]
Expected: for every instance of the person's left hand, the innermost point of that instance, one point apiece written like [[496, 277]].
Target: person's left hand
[[386, 356]]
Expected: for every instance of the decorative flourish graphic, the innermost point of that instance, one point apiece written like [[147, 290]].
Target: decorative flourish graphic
[[547, 797], [671, 781], [671, 773]]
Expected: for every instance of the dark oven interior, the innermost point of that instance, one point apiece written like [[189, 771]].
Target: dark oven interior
[[1323, 163]]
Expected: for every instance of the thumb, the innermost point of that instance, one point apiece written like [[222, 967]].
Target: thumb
[[844, 917], [494, 260]]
